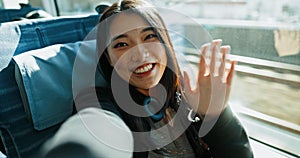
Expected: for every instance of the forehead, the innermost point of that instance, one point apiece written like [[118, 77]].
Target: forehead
[[125, 22]]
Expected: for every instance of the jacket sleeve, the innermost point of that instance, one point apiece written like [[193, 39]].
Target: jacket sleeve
[[228, 138], [91, 133]]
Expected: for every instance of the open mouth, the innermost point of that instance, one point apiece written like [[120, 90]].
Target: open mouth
[[144, 68]]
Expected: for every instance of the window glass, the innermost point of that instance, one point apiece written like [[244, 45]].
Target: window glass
[[11, 4], [1, 5], [265, 37], [260, 10]]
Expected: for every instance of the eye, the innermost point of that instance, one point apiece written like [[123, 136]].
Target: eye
[[120, 44], [150, 36]]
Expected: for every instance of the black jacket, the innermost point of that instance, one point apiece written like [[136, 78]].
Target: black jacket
[[227, 138]]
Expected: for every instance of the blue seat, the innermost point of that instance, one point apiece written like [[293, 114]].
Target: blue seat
[[17, 132], [7, 15]]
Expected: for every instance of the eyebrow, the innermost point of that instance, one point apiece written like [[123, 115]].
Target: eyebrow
[[148, 29], [124, 35], [117, 37]]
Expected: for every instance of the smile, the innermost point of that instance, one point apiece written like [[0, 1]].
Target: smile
[[144, 68]]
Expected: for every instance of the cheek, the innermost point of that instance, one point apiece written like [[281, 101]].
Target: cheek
[[115, 60], [122, 70], [120, 64], [161, 54]]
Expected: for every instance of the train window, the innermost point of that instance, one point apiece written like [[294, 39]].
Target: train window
[[265, 40], [8, 4], [74, 7]]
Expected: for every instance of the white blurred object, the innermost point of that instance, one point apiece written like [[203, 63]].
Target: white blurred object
[[2, 155], [287, 42], [9, 4]]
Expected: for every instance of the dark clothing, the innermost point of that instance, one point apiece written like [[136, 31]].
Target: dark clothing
[[227, 138]]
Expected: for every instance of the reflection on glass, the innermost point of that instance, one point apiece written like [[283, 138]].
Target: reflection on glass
[[287, 42]]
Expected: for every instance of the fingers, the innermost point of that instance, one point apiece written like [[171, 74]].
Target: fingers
[[205, 70], [231, 73], [224, 50], [215, 49], [202, 64], [207, 48]]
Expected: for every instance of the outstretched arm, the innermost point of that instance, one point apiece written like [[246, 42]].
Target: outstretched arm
[[220, 129]]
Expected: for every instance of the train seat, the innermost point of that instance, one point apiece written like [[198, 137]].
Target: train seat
[[24, 41]]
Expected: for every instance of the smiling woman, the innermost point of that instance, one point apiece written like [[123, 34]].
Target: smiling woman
[[138, 54], [136, 44]]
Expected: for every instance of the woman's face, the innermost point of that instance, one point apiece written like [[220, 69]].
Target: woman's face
[[135, 51]]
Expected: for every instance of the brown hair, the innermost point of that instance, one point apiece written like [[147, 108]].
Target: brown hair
[[170, 78]]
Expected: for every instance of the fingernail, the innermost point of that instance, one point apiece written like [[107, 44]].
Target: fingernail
[[227, 47], [204, 48], [217, 42]]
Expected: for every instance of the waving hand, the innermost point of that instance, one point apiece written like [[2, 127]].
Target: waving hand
[[210, 96]]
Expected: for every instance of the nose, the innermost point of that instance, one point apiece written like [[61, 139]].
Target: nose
[[140, 53]]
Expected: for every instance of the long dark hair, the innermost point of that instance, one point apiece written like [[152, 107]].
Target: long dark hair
[[170, 78]]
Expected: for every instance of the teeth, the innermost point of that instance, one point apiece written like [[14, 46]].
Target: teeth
[[144, 69]]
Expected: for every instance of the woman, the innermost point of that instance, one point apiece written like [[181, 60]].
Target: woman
[[161, 109]]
